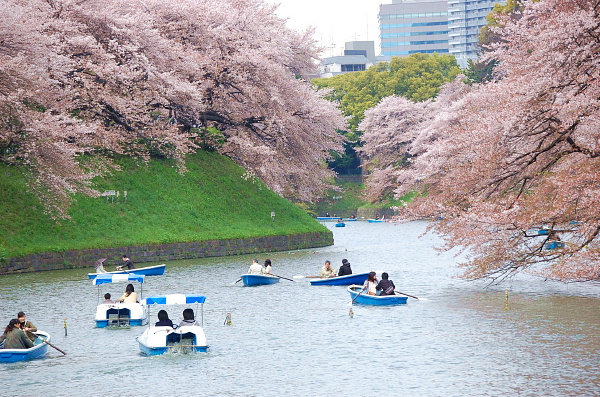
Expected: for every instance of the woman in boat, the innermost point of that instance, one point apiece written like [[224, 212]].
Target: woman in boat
[[267, 269], [255, 268], [371, 284], [163, 319], [14, 337], [188, 318], [327, 270], [345, 269], [130, 296], [386, 286]]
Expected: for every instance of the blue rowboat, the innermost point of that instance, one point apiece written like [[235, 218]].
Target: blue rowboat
[[341, 280], [340, 224], [554, 245], [39, 349], [118, 314], [374, 300], [258, 279], [328, 218], [157, 270], [163, 339], [375, 220]]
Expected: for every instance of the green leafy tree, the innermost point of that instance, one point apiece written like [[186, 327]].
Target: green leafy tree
[[416, 77]]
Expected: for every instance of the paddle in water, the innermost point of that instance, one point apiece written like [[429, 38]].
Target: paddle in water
[[45, 341]]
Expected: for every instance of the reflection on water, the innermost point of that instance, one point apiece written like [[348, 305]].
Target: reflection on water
[[291, 338]]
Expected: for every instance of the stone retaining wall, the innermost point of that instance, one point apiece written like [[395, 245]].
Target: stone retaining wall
[[164, 252]]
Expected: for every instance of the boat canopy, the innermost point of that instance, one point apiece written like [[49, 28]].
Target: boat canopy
[[173, 299], [117, 278]]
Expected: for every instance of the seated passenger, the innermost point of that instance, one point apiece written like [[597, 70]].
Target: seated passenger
[[327, 270], [14, 337], [163, 319], [188, 318], [268, 267], [107, 300], [345, 269], [386, 286], [255, 268], [130, 296], [370, 284]]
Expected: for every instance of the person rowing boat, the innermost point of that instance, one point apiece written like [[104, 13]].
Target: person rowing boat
[[327, 270]]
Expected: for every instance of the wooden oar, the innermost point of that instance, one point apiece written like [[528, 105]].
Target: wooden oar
[[401, 293], [361, 291], [285, 278], [45, 341]]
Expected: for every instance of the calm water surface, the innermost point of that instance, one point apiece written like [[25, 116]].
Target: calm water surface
[[294, 339]]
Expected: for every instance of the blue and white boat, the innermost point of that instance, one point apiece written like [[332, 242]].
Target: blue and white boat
[[341, 280], [340, 224], [38, 350], [157, 340], [375, 220], [327, 218], [119, 314], [157, 270], [361, 297], [258, 279]]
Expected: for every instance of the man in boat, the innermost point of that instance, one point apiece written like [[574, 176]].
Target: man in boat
[[327, 270], [255, 268], [386, 286], [126, 263], [26, 326], [345, 269], [14, 337], [100, 265]]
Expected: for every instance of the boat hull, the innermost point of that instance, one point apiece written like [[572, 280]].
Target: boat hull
[[375, 220], [340, 224], [160, 340], [38, 350], [374, 300], [250, 280], [157, 270], [341, 280]]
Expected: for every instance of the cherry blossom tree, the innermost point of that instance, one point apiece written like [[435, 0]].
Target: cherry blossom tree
[[81, 81], [510, 166]]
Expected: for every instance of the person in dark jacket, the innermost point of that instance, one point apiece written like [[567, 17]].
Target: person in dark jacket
[[345, 269], [386, 286], [163, 319], [14, 337], [126, 263]]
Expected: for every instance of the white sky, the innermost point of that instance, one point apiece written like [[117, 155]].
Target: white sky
[[336, 21]]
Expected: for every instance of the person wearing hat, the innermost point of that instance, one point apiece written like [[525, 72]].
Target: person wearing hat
[[26, 326], [345, 269], [14, 337]]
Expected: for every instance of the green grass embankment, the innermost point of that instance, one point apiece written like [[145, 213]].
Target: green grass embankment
[[213, 200]]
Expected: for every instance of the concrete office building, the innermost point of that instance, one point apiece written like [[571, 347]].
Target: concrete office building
[[411, 26], [358, 56], [466, 18]]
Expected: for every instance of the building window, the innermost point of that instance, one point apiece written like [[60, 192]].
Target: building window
[[353, 68]]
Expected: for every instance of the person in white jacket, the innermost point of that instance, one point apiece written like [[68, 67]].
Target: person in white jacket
[[255, 268]]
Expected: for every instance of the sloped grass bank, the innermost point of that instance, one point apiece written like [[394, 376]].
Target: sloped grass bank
[[214, 200]]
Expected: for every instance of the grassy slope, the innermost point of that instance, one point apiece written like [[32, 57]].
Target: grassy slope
[[211, 201]]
